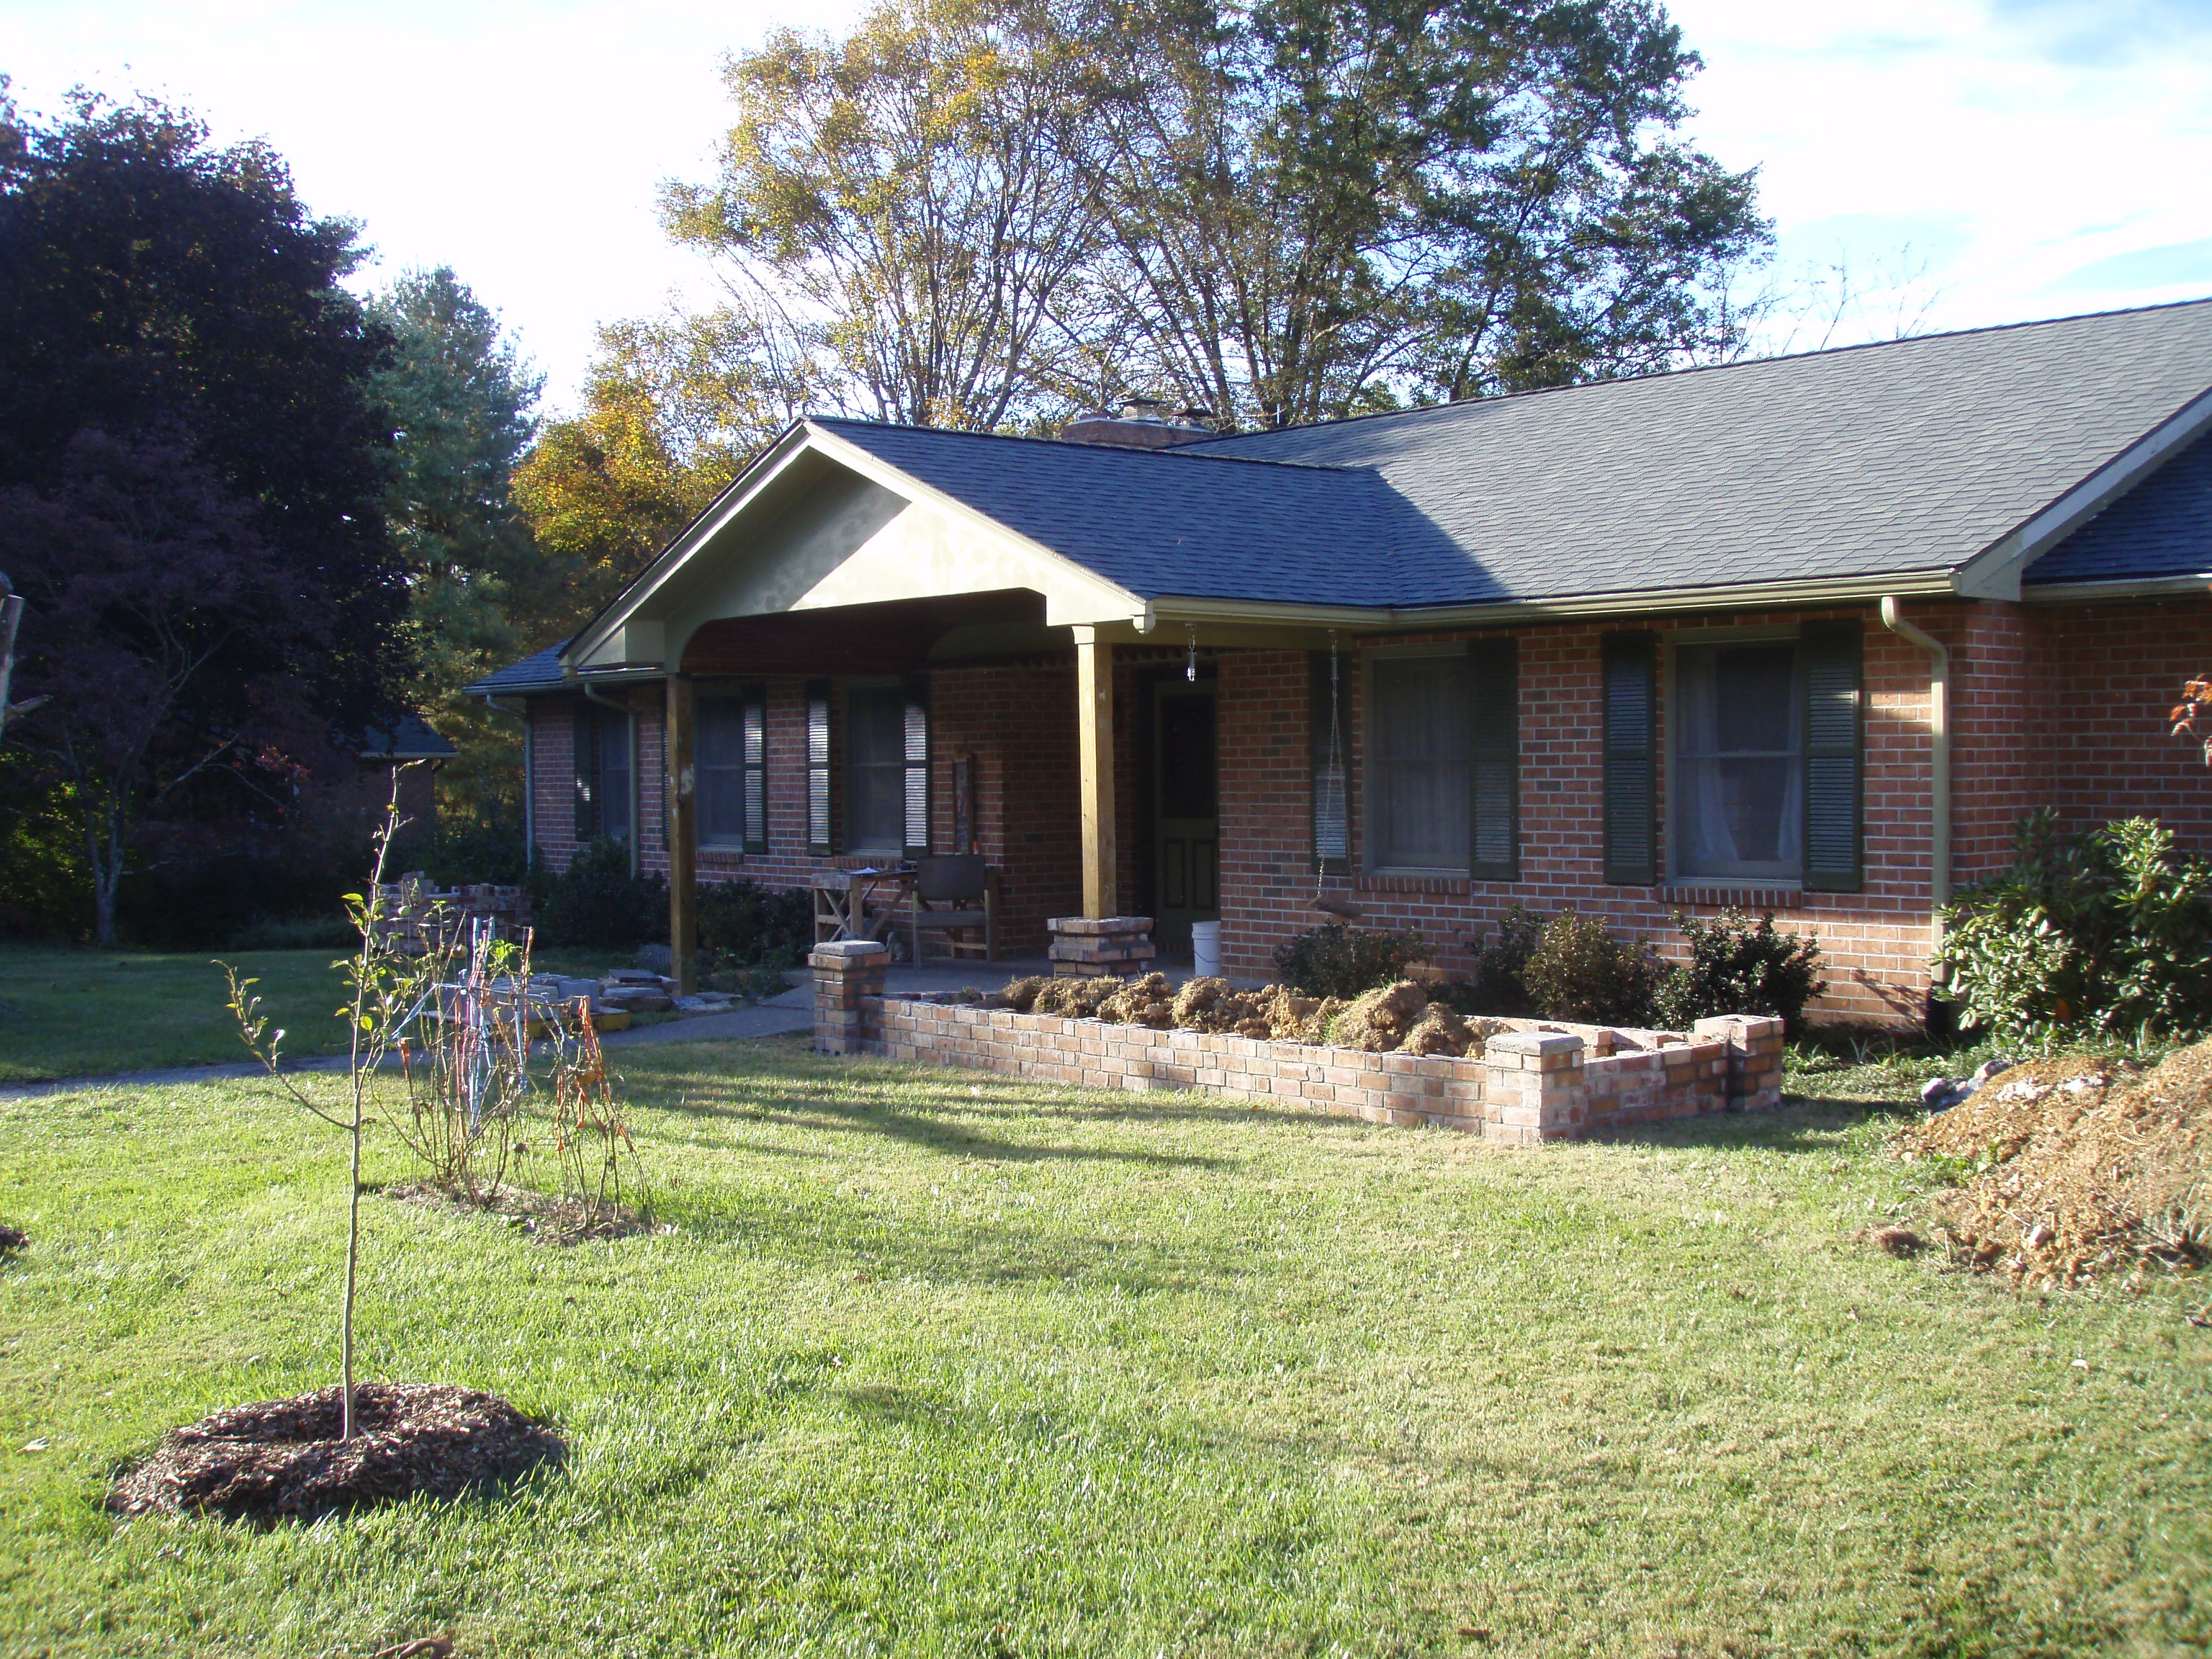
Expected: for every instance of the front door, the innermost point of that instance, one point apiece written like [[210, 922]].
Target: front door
[[1186, 812]]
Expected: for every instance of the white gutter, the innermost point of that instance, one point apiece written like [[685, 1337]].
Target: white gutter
[[1939, 762]]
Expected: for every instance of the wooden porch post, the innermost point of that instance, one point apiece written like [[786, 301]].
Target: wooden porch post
[[683, 834], [1094, 696]]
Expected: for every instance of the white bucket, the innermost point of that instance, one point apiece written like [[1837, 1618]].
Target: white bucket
[[1205, 948]]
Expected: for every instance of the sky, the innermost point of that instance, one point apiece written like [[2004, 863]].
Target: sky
[[1965, 161]]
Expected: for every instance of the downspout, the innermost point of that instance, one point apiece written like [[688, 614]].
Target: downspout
[[595, 694], [1939, 760], [529, 775]]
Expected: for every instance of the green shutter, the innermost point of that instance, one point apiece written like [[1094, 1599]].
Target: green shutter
[[1835, 762], [917, 766], [1493, 760], [1329, 745], [752, 755], [1632, 760], [584, 753], [820, 842]]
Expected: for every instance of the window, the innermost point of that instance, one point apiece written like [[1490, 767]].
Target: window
[[603, 773], [1740, 762], [886, 769], [1767, 780], [1443, 782], [819, 841], [732, 770], [1329, 729]]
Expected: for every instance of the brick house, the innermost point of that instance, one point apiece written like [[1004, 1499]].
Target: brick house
[[1806, 633]]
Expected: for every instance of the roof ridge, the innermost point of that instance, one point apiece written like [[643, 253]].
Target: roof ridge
[[1064, 445], [1426, 410]]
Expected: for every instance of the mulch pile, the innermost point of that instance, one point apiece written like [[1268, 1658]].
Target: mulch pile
[[283, 1459], [1394, 1018], [2085, 1167]]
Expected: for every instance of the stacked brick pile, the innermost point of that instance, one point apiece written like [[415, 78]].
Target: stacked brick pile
[[420, 917], [1087, 947]]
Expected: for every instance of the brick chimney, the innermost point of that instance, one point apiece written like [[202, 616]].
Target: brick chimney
[[1141, 423]]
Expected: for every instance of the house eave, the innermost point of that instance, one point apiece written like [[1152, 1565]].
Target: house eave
[[2118, 587]]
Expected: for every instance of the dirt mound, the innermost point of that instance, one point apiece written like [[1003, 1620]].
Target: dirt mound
[[1021, 993], [1379, 1021], [1439, 1031], [1294, 1019], [2089, 1167], [1147, 1001], [283, 1457], [1074, 999]]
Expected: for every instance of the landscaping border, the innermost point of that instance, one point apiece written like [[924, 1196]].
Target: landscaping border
[[1541, 1080]]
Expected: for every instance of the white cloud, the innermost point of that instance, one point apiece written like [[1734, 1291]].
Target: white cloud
[[2041, 155], [2034, 155]]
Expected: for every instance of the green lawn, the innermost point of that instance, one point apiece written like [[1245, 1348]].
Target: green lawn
[[69, 1011], [933, 1363]]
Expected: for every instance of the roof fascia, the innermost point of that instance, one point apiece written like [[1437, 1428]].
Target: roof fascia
[[1995, 572], [742, 492], [1651, 601], [1117, 602], [2116, 587]]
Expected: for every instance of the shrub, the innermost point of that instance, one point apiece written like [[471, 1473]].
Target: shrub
[[1500, 983], [596, 903], [1336, 960], [2109, 931], [745, 924], [1737, 966], [1580, 972]]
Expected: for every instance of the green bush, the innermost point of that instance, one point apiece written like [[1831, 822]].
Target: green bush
[[745, 924], [1737, 966], [1336, 960], [1499, 985], [596, 903], [1580, 972], [2107, 932]]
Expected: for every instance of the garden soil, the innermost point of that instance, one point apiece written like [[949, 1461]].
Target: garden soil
[[283, 1459], [2084, 1168]]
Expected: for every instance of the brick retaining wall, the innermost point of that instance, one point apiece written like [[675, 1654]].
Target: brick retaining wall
[[1539, 1081]]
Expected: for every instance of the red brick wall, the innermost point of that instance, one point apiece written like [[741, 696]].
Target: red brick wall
[[2105, 678], [1875, 941]]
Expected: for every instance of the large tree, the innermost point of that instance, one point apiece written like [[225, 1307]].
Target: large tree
[[1320, 206], [195, 470], [460, 399]]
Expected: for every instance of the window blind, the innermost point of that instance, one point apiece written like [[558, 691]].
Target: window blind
[[1493, 732], [819, 840]]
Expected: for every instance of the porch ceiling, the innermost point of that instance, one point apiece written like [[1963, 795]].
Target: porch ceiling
[[898, 636]]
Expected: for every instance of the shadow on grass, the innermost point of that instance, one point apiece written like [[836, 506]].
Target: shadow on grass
[[1803, 1124]]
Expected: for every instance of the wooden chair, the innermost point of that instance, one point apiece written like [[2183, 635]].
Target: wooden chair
[[952, 895]]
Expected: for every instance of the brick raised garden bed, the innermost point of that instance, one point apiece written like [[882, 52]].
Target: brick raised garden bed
[[1540, 1080]]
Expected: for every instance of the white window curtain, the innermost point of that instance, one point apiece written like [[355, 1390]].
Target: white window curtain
[[1739, 750]]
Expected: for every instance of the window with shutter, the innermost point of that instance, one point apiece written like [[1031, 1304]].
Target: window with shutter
[[1834, 723], [754, 751], [1329, 746], [820, 842], [917, 769], [1739, 761], [1418, 773], [1493, 728], [584, 730], [718, 770], [1631, 808]]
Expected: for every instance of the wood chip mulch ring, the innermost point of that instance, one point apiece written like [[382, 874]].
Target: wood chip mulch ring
[[281, 1459]]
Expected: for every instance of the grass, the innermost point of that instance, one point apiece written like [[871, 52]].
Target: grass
[[937, 1364], [69, 1011]]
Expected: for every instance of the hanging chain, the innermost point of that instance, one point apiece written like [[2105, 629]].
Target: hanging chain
[[1333, 767]]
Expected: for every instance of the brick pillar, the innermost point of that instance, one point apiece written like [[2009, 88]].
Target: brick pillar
[[1754, 1049], [849, 995], [1532, 1089], [1088, 947]]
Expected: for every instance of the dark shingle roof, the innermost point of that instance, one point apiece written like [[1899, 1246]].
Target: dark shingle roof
[[2162, 527], [541, 672], [408, 737], [1909, 455], [1172, 521]]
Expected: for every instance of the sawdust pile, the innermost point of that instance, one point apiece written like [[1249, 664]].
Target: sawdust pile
[[2084, 1168], [283, 1458], [1392, 1019]]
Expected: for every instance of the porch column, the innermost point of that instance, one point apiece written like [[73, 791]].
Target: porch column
[[676, 739], [1094, 723]]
